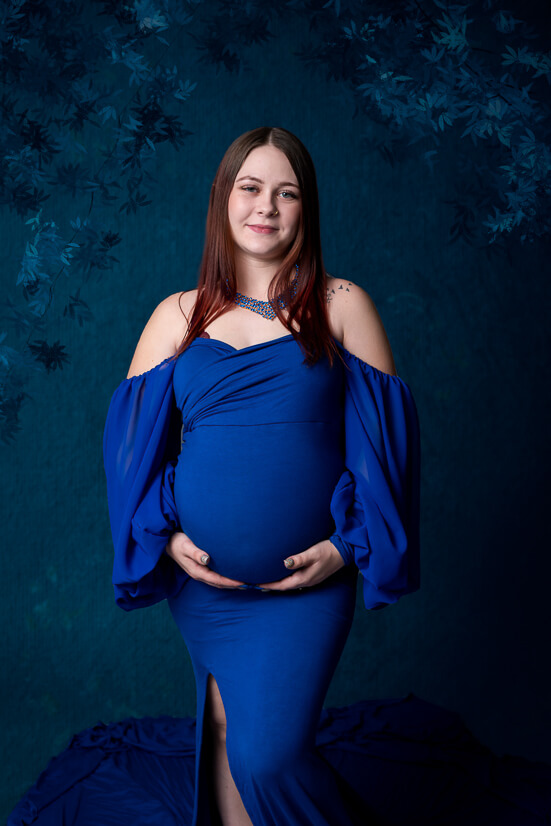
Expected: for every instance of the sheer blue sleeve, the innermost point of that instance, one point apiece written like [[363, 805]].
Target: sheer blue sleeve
[[141, 442], [375, 504]]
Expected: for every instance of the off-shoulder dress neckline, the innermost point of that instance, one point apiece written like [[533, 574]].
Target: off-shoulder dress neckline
[[234, 349], [365, 366]]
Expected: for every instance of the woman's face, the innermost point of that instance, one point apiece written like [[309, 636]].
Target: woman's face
[[264, 206]]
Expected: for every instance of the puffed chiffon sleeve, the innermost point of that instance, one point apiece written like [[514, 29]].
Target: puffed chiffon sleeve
[[141, 442], [375, 505]]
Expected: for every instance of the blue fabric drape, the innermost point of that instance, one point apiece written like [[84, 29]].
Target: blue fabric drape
[[375, 505], [141, 771], [140, 448]]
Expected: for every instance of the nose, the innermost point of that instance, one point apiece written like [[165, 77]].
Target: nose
[[266, 205]]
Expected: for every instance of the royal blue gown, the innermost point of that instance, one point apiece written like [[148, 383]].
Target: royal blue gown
[[257, 456]]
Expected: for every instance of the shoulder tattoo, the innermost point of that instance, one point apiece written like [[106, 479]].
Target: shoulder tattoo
[[331, 291]]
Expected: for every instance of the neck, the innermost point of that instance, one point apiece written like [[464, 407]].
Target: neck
[[253, 276]]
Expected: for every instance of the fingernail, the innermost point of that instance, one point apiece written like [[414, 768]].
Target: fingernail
[[289, 562], [205, 559]]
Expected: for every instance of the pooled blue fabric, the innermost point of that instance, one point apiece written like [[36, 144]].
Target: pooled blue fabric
[[409, 761]]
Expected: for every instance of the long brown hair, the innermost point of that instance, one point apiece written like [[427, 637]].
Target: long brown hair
[[216, 288]]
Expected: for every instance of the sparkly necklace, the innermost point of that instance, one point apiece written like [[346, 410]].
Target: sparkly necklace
[[266, 308]]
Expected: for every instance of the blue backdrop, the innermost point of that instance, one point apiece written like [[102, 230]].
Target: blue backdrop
[[429, 129]]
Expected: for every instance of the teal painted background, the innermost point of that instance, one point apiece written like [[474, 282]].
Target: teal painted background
[[470, 335]]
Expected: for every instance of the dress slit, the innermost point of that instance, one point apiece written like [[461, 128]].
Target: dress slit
[[201, 806], [205, 810]]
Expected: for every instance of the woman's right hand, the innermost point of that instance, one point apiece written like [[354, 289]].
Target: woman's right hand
[[195, 562]]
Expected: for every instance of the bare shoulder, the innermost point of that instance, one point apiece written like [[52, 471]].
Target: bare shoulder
[[356, 323], [336, 290], [163, 332]]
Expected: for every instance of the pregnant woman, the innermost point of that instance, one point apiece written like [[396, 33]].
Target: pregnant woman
[[260, 452]]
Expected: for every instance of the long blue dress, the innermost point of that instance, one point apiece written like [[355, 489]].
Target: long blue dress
[[273, 654], [257, 456]]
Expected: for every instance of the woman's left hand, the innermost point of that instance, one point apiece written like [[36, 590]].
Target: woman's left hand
[[312, 566]]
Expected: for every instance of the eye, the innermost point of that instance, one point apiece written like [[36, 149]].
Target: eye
[[288, 194], [249, 188]]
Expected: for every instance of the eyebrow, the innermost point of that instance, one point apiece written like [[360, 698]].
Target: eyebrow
[[260, 181]]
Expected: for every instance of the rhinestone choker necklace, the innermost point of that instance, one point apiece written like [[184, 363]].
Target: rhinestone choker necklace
[[266, 308]]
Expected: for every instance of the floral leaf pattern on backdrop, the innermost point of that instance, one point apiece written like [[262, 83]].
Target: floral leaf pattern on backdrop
[[84, 113]]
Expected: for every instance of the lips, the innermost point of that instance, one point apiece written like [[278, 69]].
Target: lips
[[265, 229]]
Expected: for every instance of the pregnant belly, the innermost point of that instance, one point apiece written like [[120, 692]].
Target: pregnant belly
[[251, 496]]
